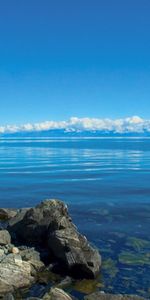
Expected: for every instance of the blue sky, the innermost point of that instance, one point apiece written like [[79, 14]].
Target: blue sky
[[87, 58]]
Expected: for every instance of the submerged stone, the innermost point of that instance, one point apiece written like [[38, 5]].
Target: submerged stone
[[86, 286], [103, 296], [137, 243], [109, 266], [130, 258], [57, 294]]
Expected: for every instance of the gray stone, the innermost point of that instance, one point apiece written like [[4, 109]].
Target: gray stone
[[7, 213], [14, 274], [67, 281], [29, 254], [33, 257], [57, 294], [5, 237], [2, 252], [18, 217]]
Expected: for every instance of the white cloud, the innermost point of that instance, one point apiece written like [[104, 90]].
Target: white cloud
[[130, 124]]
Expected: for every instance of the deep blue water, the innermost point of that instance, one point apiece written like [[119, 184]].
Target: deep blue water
[[105, 182]]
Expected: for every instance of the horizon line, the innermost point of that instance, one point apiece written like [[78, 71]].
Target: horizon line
[[134, 124]]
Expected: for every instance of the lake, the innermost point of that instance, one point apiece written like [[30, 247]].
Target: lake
[[106, 184]]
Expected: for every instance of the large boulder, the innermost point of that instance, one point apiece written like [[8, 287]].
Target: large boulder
[[49, 224], [5, 237], [73, 250]]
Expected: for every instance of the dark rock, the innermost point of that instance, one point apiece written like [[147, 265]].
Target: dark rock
[[33, 298], [49, 224], [13, 223], [72, 248], [31, 227], [6, 213], [103, 296], [5, 237]]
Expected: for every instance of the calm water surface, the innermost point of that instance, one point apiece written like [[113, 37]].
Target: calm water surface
[[106, 183]]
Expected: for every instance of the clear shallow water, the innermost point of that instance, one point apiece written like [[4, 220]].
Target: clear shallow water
[[106, 184]]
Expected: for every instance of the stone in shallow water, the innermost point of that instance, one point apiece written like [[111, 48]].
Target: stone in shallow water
[[138, 244], [86, 286], [66, 282], [48, 224], [72, 249], [103, 296], [109, 267], [45, 277], [57, 294], [130, 258]]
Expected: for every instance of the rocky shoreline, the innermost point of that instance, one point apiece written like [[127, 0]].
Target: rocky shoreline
[[42, 242]]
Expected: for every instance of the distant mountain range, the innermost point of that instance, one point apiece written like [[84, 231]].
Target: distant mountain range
[[74, 133], [80, 127]]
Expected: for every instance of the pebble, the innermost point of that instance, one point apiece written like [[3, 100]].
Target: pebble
[[15, 250]]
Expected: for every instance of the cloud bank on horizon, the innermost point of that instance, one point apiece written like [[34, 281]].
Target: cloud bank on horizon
[[124, 125]]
